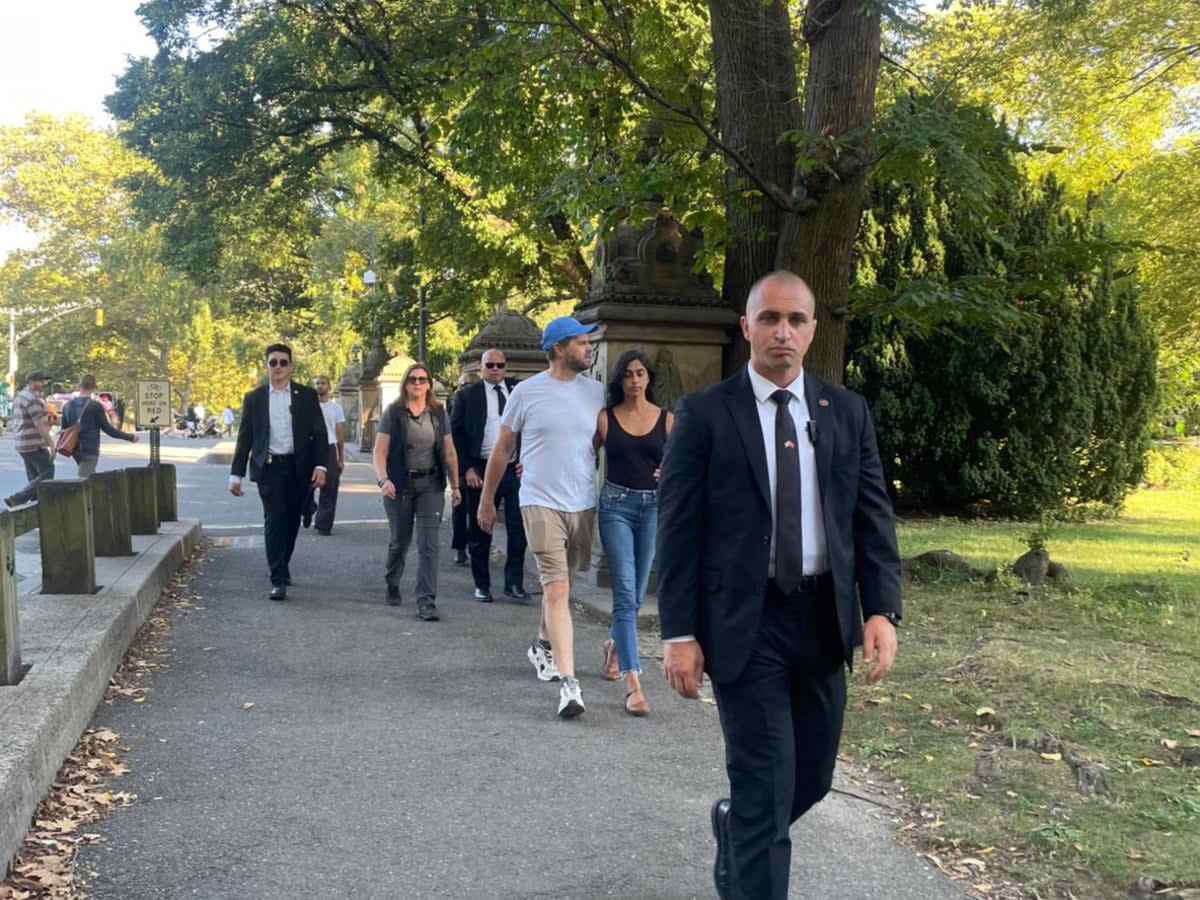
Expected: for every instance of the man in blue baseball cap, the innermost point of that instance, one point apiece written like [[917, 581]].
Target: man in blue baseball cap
[[555, 413], [563, 328]]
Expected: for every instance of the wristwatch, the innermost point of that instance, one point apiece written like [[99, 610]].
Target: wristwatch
[[893, 617], [380, 482]]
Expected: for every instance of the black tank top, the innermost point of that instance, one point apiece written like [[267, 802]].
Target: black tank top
[[632, 459]]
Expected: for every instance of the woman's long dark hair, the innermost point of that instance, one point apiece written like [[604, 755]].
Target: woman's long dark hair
[[616, 393]]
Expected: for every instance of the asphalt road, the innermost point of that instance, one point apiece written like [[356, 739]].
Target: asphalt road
[[390, 758]]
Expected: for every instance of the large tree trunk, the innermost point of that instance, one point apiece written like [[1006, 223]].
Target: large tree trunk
[[817, 243], [755, 60], [756, 103]]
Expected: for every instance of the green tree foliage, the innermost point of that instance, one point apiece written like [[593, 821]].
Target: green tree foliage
[[1049, 414], [1106, 94], [487, 126], [1100, 82], [69, 182]]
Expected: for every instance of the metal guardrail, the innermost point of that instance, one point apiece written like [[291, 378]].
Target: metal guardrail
[[78, 519]]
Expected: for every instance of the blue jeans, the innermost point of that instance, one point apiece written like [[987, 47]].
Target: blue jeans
[[39, 467], [628, 521]]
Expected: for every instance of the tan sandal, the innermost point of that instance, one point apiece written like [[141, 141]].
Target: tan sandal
[[610, 670], [636, 705]]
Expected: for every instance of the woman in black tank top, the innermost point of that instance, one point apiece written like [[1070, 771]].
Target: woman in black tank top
[[633, 432]]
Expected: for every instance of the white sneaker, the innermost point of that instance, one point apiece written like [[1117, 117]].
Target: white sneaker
[[543, 660], [570, 698]]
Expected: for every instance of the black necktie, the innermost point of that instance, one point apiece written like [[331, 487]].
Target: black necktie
[[500, 399], [789, 560]]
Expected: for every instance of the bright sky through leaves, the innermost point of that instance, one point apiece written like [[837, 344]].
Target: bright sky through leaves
[[62, 56]]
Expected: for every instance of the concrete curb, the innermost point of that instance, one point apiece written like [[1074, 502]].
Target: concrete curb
[[73, 644]]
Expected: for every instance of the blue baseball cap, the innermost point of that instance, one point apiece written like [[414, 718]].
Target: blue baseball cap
[[562, 328]]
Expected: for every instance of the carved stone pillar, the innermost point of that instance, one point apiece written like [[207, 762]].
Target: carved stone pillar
[[646, 297]]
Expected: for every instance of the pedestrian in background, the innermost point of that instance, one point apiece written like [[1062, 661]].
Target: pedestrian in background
[[476, 425], [92, 419], [227, 418], [31, 435], [633, 431], [458, 517], [414, 460], [282, 439], [335, 426]]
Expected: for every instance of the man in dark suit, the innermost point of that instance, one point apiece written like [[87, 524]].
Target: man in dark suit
[[776, 557], [475, 425], [458, 538], [282, 436]]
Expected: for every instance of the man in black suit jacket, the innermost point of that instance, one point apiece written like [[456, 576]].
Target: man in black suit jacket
[[776, 557], [475, 425], [283, 438]]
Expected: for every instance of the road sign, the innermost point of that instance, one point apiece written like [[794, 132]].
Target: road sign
[[154, 404]]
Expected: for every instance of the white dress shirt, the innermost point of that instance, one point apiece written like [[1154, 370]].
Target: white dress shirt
[[812, 523], [491, 428], [279, 403]]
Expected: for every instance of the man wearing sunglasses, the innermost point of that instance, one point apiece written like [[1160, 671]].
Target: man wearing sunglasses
[[282, 437], [475, 425]]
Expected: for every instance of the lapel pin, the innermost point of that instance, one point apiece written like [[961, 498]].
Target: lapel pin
[[822, 402], [789, 445]]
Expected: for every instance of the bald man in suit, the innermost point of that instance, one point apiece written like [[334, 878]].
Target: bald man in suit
[[776, 557]]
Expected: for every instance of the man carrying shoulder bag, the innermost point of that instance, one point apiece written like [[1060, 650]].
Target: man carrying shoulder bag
[[88, 416]]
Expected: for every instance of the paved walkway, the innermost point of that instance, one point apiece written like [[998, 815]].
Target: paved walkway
[[390, 758]]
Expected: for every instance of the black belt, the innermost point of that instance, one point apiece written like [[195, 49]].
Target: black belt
[[272, 457], [809, 584], [421, 473]]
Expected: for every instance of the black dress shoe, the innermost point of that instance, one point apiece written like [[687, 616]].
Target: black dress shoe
[[721, 866], [427, 611], [324, 532], [278, 592], [516, 592], [483, 595], [393, 596], [306, 521], [461, 558]]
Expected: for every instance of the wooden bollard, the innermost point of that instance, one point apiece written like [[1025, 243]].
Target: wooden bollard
[[68, 547], [168, 502], [110, 514], [143, 500], [10, 633]]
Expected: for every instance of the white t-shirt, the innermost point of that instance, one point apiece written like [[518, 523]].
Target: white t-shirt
[[332, 411], [556, 421]]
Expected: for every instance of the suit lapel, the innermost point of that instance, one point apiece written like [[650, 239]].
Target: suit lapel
[[743, 407], [262, 426], [820, 411]]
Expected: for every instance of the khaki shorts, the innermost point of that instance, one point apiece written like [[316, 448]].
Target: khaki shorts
[[561, 542]]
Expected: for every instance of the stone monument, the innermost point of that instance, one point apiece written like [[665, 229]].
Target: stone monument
[[646, 296]]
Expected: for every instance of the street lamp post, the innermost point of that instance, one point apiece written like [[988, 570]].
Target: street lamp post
[[48, 313]]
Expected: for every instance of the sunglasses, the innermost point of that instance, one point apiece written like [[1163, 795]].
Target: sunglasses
[[278, 361], [418, 379], [494, 365]]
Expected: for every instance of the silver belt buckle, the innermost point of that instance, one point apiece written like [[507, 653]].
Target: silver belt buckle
[[270, 458]]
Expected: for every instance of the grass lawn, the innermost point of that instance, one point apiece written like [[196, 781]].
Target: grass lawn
[[1049, 735]]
